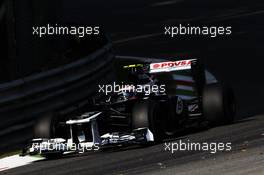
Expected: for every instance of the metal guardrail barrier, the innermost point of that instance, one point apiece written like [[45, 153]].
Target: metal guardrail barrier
[[2, 11], [26, 99]]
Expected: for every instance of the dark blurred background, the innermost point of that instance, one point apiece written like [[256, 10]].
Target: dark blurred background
[[24, 54], [136, 29]]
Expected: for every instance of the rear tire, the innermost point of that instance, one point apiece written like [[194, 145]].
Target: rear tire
[[218, 104]]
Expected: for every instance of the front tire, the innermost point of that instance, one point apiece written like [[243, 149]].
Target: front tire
[[147, 114], [44, 127], [48, 127]]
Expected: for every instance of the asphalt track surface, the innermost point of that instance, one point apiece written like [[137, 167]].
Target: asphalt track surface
[[136, 29]]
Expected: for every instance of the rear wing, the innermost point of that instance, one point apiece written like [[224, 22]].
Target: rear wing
[[170, 66]]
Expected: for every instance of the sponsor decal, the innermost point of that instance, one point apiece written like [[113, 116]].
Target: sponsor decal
[[192, 108], [179, 107], [170, 66]]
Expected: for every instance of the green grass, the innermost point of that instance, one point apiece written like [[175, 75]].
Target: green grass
[[11, 153]]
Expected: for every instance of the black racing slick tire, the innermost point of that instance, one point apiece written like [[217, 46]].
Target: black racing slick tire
[[44, 127], [147, 114], [48, 127], [219, 105]]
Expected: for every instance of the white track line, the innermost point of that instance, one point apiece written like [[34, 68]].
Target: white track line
[[17, 161]]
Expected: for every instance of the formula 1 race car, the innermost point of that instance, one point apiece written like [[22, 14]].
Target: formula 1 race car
[[154, 101]]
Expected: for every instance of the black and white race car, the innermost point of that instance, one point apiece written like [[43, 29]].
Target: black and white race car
[[157, 100]]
